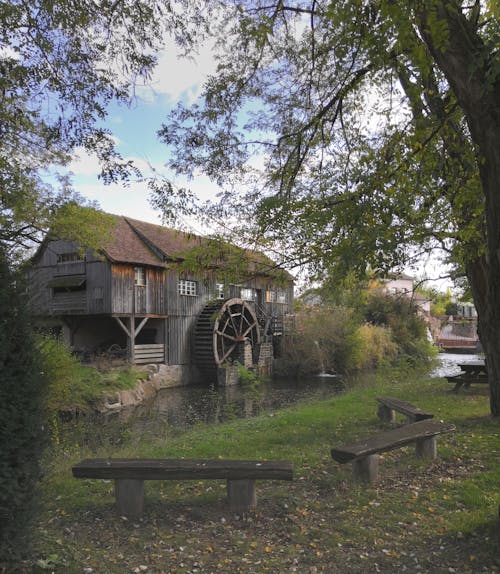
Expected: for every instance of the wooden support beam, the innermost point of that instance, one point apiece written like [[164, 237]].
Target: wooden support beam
[[141, 325], [122, 325]]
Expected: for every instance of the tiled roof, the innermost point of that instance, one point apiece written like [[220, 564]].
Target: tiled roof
[[171, 243], [138, 242], [125, 246]]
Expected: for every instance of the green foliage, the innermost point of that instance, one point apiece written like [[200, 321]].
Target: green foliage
[[451, 308], [22, 388], [62, 63], [73, 386], [326, 341], [375, 332], [338, 189], [400, 316], [376, 347]]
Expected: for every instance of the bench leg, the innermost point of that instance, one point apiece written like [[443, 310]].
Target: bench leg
[[365, 469], [426, 448], [129, 495], [241, 495], [386, 414]]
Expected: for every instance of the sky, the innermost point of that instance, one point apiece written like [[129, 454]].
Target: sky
[[135, 129]]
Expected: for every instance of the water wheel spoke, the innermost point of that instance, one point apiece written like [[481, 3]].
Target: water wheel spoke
[[227, 354], [235, 326], [248, 330], [226, 336]]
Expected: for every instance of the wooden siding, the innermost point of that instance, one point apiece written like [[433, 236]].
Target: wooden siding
[[128, 298], [180, 339], [69, 303]]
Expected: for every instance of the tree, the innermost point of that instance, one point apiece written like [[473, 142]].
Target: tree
[[21, 415], [377, 128], [61, 63]]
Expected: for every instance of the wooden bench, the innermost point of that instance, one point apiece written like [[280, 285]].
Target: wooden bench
[[129, 476], [388, 406], [364, 455]]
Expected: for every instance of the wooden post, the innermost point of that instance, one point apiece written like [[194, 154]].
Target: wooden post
[[386, 414], [241, 495], [129, 495], [365, 469], [426, 448]]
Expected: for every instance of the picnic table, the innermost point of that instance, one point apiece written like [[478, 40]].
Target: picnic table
[[472, 372], [474, 367]]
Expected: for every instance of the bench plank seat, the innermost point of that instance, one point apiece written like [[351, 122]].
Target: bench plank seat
[[364, 454], [129, 476], [388, 405]]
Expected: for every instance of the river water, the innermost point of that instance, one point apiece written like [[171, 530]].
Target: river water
[[179, 408], [448, 363]]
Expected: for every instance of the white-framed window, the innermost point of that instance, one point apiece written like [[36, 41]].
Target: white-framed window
[[187, 287], [247, 294], [281, 297], [219, 290], [270, 296], [140, 276]]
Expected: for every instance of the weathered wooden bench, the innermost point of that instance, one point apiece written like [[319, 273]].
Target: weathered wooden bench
[[388, 406], [129, 476], [364, 455]]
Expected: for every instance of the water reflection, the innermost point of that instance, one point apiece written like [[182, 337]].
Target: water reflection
[[182, 407]]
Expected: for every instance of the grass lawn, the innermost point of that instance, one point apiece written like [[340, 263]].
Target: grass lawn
[[436, 517]]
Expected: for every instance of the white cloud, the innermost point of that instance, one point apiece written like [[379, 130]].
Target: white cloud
[[85, 164], [178, 77]]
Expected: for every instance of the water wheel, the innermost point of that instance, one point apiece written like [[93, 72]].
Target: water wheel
[[222, 331]]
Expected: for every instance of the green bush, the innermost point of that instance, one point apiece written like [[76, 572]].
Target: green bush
[[376, 347], [73, 386], [399, 314], [21, 421], [325, 341]]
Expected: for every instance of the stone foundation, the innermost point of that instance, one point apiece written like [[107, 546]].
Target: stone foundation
[[156, 377]]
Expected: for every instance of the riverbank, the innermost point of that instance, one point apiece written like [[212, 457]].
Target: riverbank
[[437, 517]]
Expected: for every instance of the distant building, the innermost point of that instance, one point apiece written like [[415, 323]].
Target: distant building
[[466, 310], [403, 285]]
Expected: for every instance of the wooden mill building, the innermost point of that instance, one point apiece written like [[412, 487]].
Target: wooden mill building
[[139, 294]]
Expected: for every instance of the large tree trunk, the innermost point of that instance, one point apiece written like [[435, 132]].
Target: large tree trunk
[[482, 281], [471, 71]]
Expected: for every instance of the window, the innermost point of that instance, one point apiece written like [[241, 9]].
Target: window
[[247, 294], [72, 257], [187, 287], [67, 284], [270, 296], [281, 297], [140, 276], [219, 290]]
